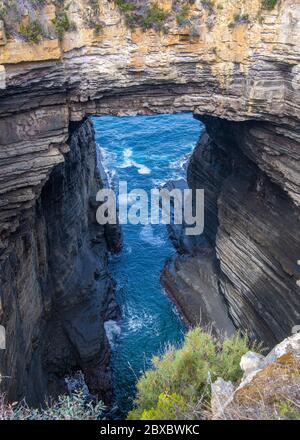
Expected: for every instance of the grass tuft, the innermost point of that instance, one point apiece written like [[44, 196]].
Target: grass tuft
[[32, 32]]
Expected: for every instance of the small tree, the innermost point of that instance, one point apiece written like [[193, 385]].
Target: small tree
[[179, 378]]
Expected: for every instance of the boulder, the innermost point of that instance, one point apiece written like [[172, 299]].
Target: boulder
[[221, 396], [251, 361]]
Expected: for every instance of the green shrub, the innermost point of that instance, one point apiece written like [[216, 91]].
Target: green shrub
[[91, 17], [95, 5], [125, 6], [73, 407], [61, 23], [169, 407], [32, 32], [182, 15], [128, 9], [269, 4], [151, 16], [59, 3], [132, 20], [154, 18], [181, 376], [12, 12], [239, 19], [98, 28]]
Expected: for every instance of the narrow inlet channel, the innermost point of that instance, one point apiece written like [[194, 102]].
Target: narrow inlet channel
[[145, 151]]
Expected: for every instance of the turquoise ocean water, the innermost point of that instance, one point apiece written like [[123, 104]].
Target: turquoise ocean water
[[145, 151]]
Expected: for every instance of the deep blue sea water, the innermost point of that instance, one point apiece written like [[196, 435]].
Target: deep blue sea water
[[145, 151]]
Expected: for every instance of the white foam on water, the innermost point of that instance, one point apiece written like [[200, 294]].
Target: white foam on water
[[127, 153], [147, 235], [180, 163], [137, 322], [106, 161], [112, 330], [107, 157], [179, 167]]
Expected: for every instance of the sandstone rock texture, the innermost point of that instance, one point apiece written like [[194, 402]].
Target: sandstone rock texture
[[241, 77]]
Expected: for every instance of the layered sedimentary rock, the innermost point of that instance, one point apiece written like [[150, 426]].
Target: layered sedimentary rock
[[56, 291], [253, 226], [229, 67], [191, 277], [269, 388], [233, 70]]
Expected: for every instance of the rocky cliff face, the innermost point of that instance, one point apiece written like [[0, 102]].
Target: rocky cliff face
[[238, 66], [269, 388], [253, 226]]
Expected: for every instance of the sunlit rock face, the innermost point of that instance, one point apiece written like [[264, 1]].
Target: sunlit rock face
[[248, 71], [243, 74]]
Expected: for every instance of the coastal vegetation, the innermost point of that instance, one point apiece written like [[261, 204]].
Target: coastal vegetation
[[182, 15], [32, 32], [178, 385], [92, 17], [239, 19], [151, 17]]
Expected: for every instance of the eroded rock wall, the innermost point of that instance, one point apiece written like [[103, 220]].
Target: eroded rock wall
[[56, 291], [233, 69]]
